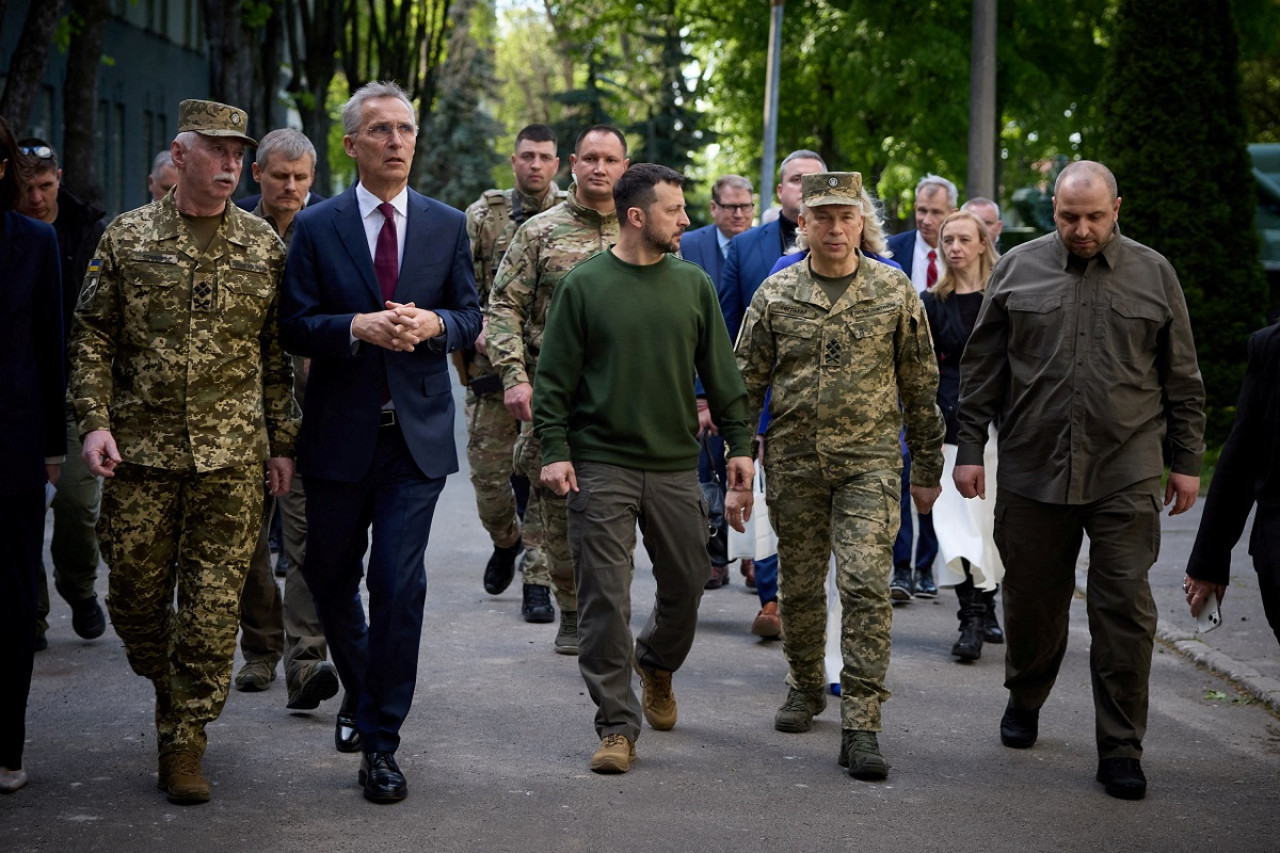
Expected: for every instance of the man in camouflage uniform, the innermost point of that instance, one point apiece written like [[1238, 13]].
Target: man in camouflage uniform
[[841, 340], [182, 392], [541, 253], [491, 222]]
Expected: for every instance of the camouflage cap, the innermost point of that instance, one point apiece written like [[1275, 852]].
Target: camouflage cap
[[831, 188], [211, 118]]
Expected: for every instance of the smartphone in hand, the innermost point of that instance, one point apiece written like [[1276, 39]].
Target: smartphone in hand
[[1210, 615]]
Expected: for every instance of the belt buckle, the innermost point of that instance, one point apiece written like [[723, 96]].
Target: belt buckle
[[387, 418]]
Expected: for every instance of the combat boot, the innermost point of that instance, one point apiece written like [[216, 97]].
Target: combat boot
[[991, 630], [860, 753], [969, 646], [658, 700], [536, 604], [797, 713], [567, 636], [181, 779]]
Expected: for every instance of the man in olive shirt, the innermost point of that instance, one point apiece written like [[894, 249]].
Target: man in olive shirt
[[635, 317], [1083, 355]]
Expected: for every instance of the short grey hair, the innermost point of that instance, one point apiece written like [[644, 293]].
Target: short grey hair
[[351, 111], [931, 182], [162, 160], [725, 182], [981, 200], [288, 143], [186, 139], [801, 154]]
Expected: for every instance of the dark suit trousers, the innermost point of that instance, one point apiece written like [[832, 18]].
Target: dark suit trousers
[[21, 540], [377, 659], [1039, 543], [1264, 545]]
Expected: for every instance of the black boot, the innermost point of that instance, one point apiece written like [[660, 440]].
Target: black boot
[[972, 609], [991, 630], [901, 587], [925, 587]]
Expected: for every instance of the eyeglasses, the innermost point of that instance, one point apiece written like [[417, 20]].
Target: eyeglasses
[[737, 208], [384, 131], [40, 152]]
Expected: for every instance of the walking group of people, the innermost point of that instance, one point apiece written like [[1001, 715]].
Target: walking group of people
[[595, 358]]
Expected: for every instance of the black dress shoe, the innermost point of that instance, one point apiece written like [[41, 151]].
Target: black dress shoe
[[1018, 729], [1123, 778], [345, 736], [381, 778], [501, 568]]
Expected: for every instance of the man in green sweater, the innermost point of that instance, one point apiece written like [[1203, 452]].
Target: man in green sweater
[[614, 410]]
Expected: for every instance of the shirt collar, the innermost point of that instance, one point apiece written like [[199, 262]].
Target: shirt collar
[[369, 202]]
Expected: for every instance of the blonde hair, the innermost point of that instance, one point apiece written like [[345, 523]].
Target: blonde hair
[[986, 259]]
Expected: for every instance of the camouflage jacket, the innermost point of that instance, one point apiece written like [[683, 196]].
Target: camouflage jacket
[[177, 351], [838, 373], [541, 253], [490, 226]]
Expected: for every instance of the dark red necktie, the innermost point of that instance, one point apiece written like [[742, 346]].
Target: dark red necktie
[[930, 278], [385, 263]]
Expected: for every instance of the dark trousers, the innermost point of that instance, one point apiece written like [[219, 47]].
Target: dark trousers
[[1264, 545], [378, 659], [21, 540], [1039, 543], [602, 536], [926, 549]]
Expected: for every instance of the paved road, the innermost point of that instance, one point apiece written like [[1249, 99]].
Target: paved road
[[497, 745]]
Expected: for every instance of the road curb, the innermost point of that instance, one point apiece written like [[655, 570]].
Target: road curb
[[1263, 689]]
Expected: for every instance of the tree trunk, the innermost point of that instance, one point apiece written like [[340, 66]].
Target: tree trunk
[[80, 98], [26, 69], [230, 77]]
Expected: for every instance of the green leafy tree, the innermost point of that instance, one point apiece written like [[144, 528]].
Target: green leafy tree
[[1173, 133], [458, 159]]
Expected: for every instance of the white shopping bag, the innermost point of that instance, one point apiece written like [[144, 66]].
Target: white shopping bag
[[759, 540]]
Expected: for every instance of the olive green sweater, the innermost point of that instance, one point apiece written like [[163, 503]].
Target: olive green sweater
[[615, 379]]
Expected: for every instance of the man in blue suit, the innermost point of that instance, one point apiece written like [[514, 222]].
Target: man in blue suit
[[751, 257], [378, 287], [917, 252], [731, 210]]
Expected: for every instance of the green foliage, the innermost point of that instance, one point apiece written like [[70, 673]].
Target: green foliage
[[456, 157], [1173, 133], [254, 14]]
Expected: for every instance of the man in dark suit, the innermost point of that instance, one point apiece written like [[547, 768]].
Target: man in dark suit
[[917, 252], [33, 441], [731, 210], [378, 287], [751, 257]]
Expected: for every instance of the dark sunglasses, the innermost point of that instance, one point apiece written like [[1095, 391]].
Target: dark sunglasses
[[40, 152]]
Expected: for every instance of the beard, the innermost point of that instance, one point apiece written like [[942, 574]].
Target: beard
[[660, 241]]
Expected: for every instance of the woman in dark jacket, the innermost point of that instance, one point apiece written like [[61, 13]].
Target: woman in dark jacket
[[33, 440], [967, 557]]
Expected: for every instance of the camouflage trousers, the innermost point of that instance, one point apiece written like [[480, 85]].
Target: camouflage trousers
[[549, 512], [857, 520], [164, 530], [492, 432]]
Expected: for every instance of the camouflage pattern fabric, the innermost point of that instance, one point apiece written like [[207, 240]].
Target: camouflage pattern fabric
[[191, 532], [541, 253], [211, 118], [550, 513], [491, 429], [833, 460], [543, 250], [857, 520], [177, 350]]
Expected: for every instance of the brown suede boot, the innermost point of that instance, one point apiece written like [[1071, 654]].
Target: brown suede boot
[[181, 780]]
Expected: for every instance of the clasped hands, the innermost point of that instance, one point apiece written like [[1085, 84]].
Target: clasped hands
[[400, 328]]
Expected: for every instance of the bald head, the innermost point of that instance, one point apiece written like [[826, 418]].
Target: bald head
[[1084, 174]]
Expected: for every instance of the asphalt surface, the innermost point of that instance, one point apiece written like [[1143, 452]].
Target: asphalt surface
[[497, 745]]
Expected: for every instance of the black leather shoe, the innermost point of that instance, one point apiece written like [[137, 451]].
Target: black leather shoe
[[1019, 729], [87, 619], [537, 604], [925, 587], [1123, 778], [381, 777], [345, 736], [901, 587], [501, 568]]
